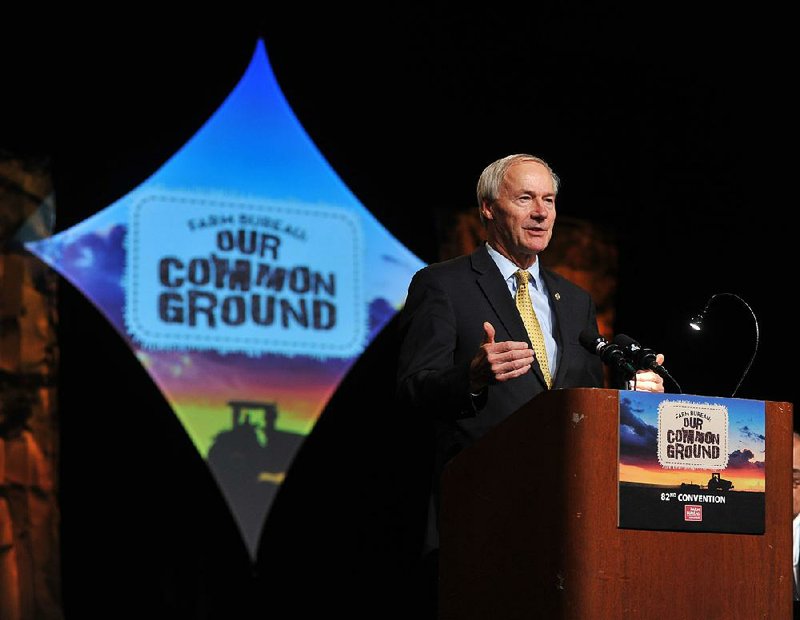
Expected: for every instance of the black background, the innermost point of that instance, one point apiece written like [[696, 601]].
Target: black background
[[668, 128]]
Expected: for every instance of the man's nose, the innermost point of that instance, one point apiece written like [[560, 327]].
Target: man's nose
[[539, 209]]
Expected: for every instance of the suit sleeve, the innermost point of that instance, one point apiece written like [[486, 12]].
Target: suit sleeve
[[429, 378], [594, 367]]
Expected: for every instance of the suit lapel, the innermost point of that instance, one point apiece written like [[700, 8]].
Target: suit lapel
[[491, 283], [554, 297]]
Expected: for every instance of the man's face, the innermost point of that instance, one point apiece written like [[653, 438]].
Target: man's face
[[796, 475], [520, 222]]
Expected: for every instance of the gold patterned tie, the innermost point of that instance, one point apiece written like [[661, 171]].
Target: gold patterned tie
[[525, 308]]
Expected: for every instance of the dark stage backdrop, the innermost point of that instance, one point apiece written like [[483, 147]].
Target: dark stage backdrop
[[663, 128]]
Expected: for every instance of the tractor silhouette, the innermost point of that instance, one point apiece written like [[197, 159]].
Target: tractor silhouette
[[719, 484]]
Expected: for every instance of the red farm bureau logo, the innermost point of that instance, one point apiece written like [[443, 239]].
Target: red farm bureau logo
[[692, 512]]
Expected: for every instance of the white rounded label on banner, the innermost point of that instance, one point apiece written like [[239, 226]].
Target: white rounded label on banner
[[244, 276]]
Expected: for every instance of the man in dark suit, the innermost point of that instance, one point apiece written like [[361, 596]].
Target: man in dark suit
[[467, 358]]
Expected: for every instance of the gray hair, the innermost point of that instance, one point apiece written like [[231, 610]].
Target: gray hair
[[492, 176]]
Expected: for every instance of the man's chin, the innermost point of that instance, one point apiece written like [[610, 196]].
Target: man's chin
[[533, 250]]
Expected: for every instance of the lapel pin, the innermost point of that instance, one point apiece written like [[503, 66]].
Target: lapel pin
[[557, 296]]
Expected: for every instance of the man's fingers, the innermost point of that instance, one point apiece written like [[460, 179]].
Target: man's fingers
[[488, 333], [504, 356], [660, 359], [504, 360], [648, 381], [508, 345], [512, 374], [511, 364]]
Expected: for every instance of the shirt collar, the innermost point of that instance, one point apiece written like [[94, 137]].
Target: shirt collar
[[508, 269]]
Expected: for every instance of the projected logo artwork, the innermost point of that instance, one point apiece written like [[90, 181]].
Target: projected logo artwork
[[247, 279]]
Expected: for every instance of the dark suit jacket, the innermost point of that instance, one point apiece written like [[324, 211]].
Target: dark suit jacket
[[441, 326]]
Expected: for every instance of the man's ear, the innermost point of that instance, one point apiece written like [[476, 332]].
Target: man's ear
[[486, 211]]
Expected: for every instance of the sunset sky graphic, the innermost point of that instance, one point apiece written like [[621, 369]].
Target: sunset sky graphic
[[638, 449]]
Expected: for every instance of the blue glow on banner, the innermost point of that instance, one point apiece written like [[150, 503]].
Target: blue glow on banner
[[247, 279]]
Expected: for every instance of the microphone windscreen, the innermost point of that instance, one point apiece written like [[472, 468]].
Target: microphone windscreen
[[624, 340]]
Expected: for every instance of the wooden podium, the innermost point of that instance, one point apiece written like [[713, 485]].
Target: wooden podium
[[529, 528]]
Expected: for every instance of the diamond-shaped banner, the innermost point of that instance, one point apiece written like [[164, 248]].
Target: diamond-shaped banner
[[247, 279]]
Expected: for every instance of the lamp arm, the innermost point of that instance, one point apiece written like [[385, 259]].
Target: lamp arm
[[755, 324]]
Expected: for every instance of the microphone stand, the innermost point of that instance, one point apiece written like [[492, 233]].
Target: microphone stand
[[663, 372], [697, 323]]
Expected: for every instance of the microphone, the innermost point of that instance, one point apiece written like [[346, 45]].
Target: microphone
[[612, 354], [642, 357]]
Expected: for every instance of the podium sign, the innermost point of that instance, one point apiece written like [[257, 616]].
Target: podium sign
[[691, 463]]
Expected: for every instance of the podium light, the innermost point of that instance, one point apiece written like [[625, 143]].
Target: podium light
[[697, 324]]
